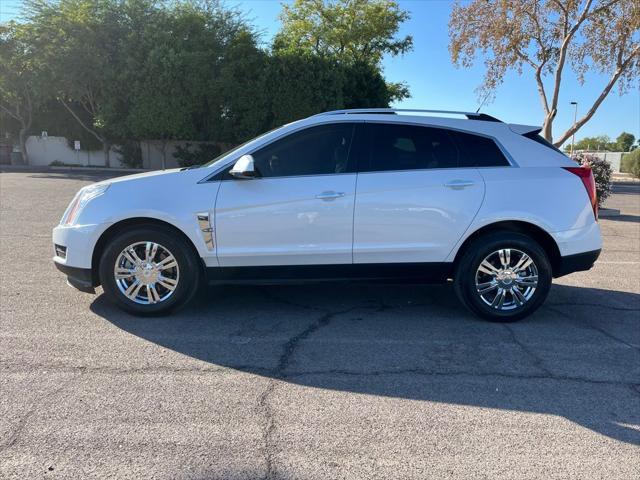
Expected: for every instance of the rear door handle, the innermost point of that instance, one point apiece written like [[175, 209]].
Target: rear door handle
[[329, 195], [458, 184]]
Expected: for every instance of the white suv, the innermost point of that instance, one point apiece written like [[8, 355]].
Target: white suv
[[354, 194]]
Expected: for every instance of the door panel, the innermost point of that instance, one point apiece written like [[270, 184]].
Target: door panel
[[414, 215], [285, 221]]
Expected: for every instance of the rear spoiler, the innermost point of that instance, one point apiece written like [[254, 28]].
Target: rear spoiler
[[526, 130], [532, 133]]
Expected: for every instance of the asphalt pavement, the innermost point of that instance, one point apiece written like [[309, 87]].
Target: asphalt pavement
[[313, 381]]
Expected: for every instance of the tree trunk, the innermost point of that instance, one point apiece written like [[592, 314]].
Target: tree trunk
[[164, 154], [547, 126], [22, 138], [106, 148]]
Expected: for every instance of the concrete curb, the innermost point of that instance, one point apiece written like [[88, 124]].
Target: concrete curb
[[624, 179], [45, 169]]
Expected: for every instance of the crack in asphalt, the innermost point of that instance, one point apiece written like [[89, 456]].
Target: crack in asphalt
[[279, 373], [588, 324], [537, 361], [435, 373], [25, 368], [290, 347], [15, 435], [271, 372], [583, 304], [271, 296]]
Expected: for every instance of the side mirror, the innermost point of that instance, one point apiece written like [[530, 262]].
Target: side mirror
[[244, 168]]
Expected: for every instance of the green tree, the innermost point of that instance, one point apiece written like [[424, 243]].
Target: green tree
[[130, 70], [365, 87], [22, 88], [178, 93], [624, 142], [301, 85], [79, 42], [350, 31], [245, 101], [597, 143], [543, 37]]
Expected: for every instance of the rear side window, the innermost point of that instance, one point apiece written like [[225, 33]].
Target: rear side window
[[541, 140], [319, 150], [408, 147], [477, 151]]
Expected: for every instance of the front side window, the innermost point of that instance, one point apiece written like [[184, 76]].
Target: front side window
[[409, 147], [319, 150]]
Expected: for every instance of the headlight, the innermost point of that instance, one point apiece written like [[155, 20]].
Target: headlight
[[84, 196]]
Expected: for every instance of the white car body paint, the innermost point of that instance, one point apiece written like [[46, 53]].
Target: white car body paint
[[285, 221], [382, 217], [413, 216]]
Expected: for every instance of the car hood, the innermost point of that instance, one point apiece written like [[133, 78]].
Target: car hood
[[145, 175]]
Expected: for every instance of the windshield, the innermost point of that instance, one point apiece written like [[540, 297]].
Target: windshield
[[220, 158]]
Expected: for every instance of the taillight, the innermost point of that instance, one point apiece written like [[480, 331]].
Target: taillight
[[586, 175]]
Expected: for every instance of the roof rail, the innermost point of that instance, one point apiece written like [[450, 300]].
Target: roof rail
[[393, 111]]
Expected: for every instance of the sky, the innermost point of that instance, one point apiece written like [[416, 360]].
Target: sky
[[436, 84]]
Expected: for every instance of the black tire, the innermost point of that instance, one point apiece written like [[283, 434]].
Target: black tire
[[190, 269], [481, 248]]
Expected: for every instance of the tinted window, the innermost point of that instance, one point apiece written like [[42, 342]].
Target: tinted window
[[542, 141], [409, 147], [477, 151], [314, 151]]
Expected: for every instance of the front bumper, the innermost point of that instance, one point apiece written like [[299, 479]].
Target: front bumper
[[80, 278], [79, 240], [74, 253], [576, 263]]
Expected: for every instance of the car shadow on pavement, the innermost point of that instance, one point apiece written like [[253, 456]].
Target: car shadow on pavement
[[624, 218], [578, 357]]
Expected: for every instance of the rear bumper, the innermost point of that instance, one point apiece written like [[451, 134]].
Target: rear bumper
[[576, 263], [80, 278]]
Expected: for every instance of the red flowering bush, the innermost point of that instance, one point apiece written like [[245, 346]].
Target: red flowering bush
[[601, 173]]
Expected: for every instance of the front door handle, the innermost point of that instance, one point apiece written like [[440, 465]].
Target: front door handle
[[459, 184], [329, 195]]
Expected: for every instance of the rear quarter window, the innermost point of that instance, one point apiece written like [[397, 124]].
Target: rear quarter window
[[542, 141], [478, 151]]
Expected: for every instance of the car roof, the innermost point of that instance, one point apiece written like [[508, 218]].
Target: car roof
[[463, 121]]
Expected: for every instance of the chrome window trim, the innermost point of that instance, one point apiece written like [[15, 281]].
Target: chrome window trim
[[209, 178], [512, 163], [504, 151]]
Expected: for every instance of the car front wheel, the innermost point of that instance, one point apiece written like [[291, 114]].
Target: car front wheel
[[149, 271], [503, 277]]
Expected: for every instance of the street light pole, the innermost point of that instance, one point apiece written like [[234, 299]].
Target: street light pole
[[575, 118]]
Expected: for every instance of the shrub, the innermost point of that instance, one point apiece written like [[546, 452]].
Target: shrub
[[202, 154], [631, 163], [601, 173], [60, 163], [130, 153]]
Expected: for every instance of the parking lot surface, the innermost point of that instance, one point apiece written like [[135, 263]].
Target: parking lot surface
[[313, 381]]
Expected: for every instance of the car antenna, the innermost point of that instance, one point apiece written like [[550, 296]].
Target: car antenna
[[482, 103]]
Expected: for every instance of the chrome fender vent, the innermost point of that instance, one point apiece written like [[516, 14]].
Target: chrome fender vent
[[205, 228]]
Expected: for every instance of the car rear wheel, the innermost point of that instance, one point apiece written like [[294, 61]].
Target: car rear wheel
[[149, 271], [503, 277]]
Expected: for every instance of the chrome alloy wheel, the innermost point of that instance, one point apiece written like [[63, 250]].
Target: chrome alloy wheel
[[146, 273], [506, 279]]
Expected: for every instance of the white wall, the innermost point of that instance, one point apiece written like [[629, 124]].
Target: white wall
[[43, 151], [613, 158], [152, 153]]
